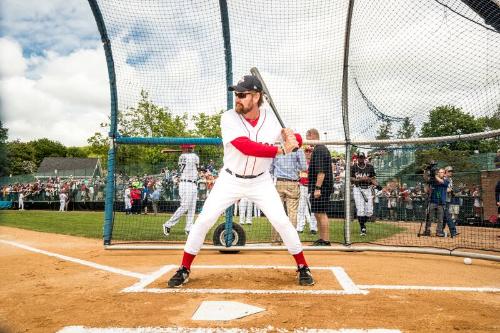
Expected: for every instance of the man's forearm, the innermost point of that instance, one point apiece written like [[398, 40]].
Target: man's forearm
[[320, 179]]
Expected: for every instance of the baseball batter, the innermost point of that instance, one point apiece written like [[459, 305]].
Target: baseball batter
[[248, 134], [363, 176], [188, 189]]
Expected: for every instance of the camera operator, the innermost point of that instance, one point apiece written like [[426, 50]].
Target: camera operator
[[438, 186], [449, 197]]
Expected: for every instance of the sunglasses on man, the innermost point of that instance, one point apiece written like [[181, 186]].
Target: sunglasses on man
[[242, 95]]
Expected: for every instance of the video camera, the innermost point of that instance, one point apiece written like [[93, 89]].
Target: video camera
[[430, 172]]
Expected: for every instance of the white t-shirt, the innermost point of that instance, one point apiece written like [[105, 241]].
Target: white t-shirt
[[267, 130], [188, 164]]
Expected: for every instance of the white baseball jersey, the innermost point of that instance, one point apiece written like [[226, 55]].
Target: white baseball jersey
[[267, 131], [188, 163]]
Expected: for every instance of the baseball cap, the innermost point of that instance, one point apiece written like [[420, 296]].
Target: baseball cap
[[361, 155], [186, 146], [448, 168], [246, 83]]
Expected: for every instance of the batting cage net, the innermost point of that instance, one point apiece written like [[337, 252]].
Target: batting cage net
[[376, 82]]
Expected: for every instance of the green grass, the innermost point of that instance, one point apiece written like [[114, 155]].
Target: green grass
[[148, 227]]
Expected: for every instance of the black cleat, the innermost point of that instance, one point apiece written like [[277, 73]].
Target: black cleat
[[321, 242], [166, 230], [313, 232], [305, 278], [426, 233], [179, 278], [363, 232]]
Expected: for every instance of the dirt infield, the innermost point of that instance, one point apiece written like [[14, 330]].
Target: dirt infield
[[45, 292]]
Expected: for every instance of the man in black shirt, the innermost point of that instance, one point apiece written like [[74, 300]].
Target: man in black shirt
[[362, 177], [320, 186]]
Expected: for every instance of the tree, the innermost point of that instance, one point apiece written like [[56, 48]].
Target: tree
[[145, 120], [385, 130], [77, 152], [208, 126], [21, 155], [450, 120], [4, 163], [493, 122], [47, 148], [407, 129]]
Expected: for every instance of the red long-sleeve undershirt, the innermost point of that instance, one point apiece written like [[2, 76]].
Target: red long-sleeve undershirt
[[252, 148], [257, 149]]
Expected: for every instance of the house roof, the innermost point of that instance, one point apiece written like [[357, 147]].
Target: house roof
[[49, 164]]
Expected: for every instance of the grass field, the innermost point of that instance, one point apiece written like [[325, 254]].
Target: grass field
[[148, 227]]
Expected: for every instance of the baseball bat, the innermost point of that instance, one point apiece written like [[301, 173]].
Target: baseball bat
[[363, 194], [255, 72]]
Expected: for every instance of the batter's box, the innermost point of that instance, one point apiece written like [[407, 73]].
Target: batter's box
[[229, 279]]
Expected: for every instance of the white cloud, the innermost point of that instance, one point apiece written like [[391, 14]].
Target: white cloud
[[12, 62], [60, 97]]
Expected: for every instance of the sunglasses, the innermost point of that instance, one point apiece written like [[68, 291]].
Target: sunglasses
[[242, 95]]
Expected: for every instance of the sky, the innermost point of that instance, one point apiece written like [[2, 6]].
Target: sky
[[54, 82], [52, 71]]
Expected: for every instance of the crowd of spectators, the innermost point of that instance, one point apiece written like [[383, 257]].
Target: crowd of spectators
[[395, 201], [78, 189]]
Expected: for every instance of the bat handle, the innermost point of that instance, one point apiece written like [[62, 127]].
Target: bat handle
[[295, 149]]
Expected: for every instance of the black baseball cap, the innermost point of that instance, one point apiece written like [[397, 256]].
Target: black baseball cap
[[247, 83], [361, 155]]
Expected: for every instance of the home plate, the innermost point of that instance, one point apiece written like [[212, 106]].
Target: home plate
[[221, 310]]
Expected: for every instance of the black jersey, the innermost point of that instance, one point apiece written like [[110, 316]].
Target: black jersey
[[321, 161], [358, 172]]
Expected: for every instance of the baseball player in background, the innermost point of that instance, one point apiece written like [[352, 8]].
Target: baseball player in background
[[246, 210], [363, 176], [249, 132], [304, 211], [188, 189], [127, 199], [63, 197]]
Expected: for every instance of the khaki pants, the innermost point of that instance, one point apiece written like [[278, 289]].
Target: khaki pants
[[289, 192]]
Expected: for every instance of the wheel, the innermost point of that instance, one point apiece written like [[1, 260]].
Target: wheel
[[239, 236]]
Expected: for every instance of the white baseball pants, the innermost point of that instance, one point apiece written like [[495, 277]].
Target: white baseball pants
[[363, 208], [261, 191], [188, 192], [304, 215], [128, 204]]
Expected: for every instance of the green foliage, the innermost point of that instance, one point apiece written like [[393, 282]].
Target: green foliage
[[47, 148], [21, 157], [77, 152], [25, 157], [407, 129], [150, 120], [445, 156], [450, 120], [385, 131], [144, 120], [493, 122], [207, 126], [4, 163]]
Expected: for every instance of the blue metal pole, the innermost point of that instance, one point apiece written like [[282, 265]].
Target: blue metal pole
[[229, 100], [109, 201]]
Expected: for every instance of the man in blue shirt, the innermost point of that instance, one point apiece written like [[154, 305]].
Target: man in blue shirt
[[285, 170], [437, 203]]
